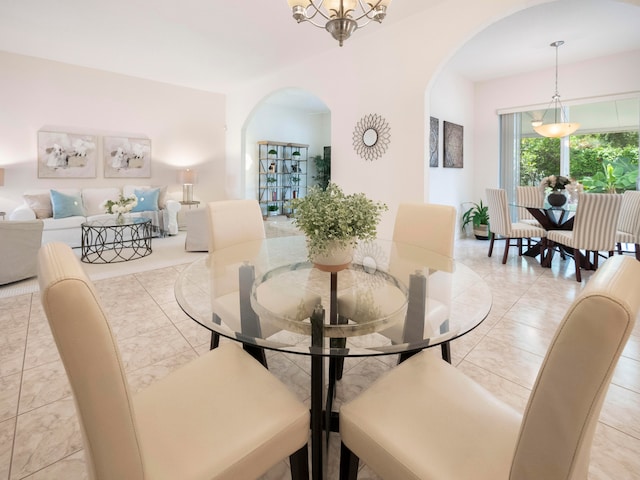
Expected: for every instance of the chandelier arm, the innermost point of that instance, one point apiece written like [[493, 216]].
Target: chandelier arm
[[309, 18], [367, 10]]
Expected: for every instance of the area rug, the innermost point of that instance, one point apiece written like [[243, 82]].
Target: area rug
[[167, 252]]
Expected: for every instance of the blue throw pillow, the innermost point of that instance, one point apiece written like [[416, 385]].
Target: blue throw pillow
[[64, 205], [147, 200]]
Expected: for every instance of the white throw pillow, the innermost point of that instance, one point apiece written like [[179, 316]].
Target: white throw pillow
[[94, 198]]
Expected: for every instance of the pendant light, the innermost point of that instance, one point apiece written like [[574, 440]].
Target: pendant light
[[560, 128]]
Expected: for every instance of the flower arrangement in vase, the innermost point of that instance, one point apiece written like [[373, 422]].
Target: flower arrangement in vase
[[333, 222], [121, 206], [556, 183]]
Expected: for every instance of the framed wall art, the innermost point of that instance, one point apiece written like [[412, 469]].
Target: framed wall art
[[66, 155], [434, 134], [125, 157], [453, 141]]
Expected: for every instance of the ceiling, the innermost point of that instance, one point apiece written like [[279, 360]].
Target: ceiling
[[215, 44]]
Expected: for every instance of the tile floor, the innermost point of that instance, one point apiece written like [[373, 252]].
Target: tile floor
[[40, 438]]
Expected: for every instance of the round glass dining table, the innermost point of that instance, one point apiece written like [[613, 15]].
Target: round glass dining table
[[394, 298]]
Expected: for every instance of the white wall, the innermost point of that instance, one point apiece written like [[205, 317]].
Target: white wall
[[386, 74], [452, 100], [185, 126], [283, 124]]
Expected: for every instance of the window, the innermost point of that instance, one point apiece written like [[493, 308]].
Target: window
[[602, 154]]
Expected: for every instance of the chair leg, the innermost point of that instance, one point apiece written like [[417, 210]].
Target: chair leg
[[446, 351], [576, 259], [215, 337], [520, 247], [215, 340], [300, 464], [493, 237], [348, 463], [619, 245], [638, 251], [506, 251]]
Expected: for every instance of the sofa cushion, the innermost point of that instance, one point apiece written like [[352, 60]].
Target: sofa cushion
[[147, 200], [93, 199], [40, 203], [65, 205], [64, 223], [162, 198]]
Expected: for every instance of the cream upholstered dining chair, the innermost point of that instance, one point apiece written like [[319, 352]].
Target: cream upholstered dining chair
[[221, 416], [429, 226], [629, 221], [594, 229], [500, 224], [233, 222], [427, 420]]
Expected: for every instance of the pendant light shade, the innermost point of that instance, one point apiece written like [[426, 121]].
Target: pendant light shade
[[561, 127]]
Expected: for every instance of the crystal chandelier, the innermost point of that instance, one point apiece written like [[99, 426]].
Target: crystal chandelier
[[560, 128], [343, 17]]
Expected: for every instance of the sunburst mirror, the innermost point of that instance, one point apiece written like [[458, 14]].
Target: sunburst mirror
[[371, 137]]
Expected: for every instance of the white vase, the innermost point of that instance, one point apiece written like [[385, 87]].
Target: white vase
[[334, 259]]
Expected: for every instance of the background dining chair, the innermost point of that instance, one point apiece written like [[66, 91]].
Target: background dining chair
[[529, 196], [430, 227], [221, 416], [629, 221], [427, 420], [500, 224], [594, 230]]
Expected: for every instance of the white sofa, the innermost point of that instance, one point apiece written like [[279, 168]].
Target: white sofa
[[68, 229]]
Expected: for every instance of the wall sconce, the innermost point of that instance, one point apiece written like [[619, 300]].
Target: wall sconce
[[187, 178]]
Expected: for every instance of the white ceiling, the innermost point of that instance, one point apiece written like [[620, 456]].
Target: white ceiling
[[215, 44]]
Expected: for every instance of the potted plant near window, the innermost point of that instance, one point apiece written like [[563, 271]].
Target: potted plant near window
[[273, 209], [333, 222], [478, 216]]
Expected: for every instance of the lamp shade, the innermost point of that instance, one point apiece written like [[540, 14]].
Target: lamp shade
[[1, 177], [556, 130], [187, 176]]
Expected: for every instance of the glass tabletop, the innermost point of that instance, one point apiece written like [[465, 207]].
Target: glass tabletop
[[394, 297], [112, 221]]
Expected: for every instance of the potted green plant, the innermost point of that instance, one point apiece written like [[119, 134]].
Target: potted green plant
[[271, 179], [273, 209], [295, 178], [273, 153], [333, 222], [478, 216]]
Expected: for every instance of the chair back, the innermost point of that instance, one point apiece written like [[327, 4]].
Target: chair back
[[596, 221], [629, 219], [93, 364], [234, 221], [426, 225], [499, 221], [562, 414], [529, 197]]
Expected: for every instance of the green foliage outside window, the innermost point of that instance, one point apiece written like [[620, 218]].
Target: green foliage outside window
[[590, 155]]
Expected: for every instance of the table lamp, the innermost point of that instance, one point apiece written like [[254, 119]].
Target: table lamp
[[187, 177]]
